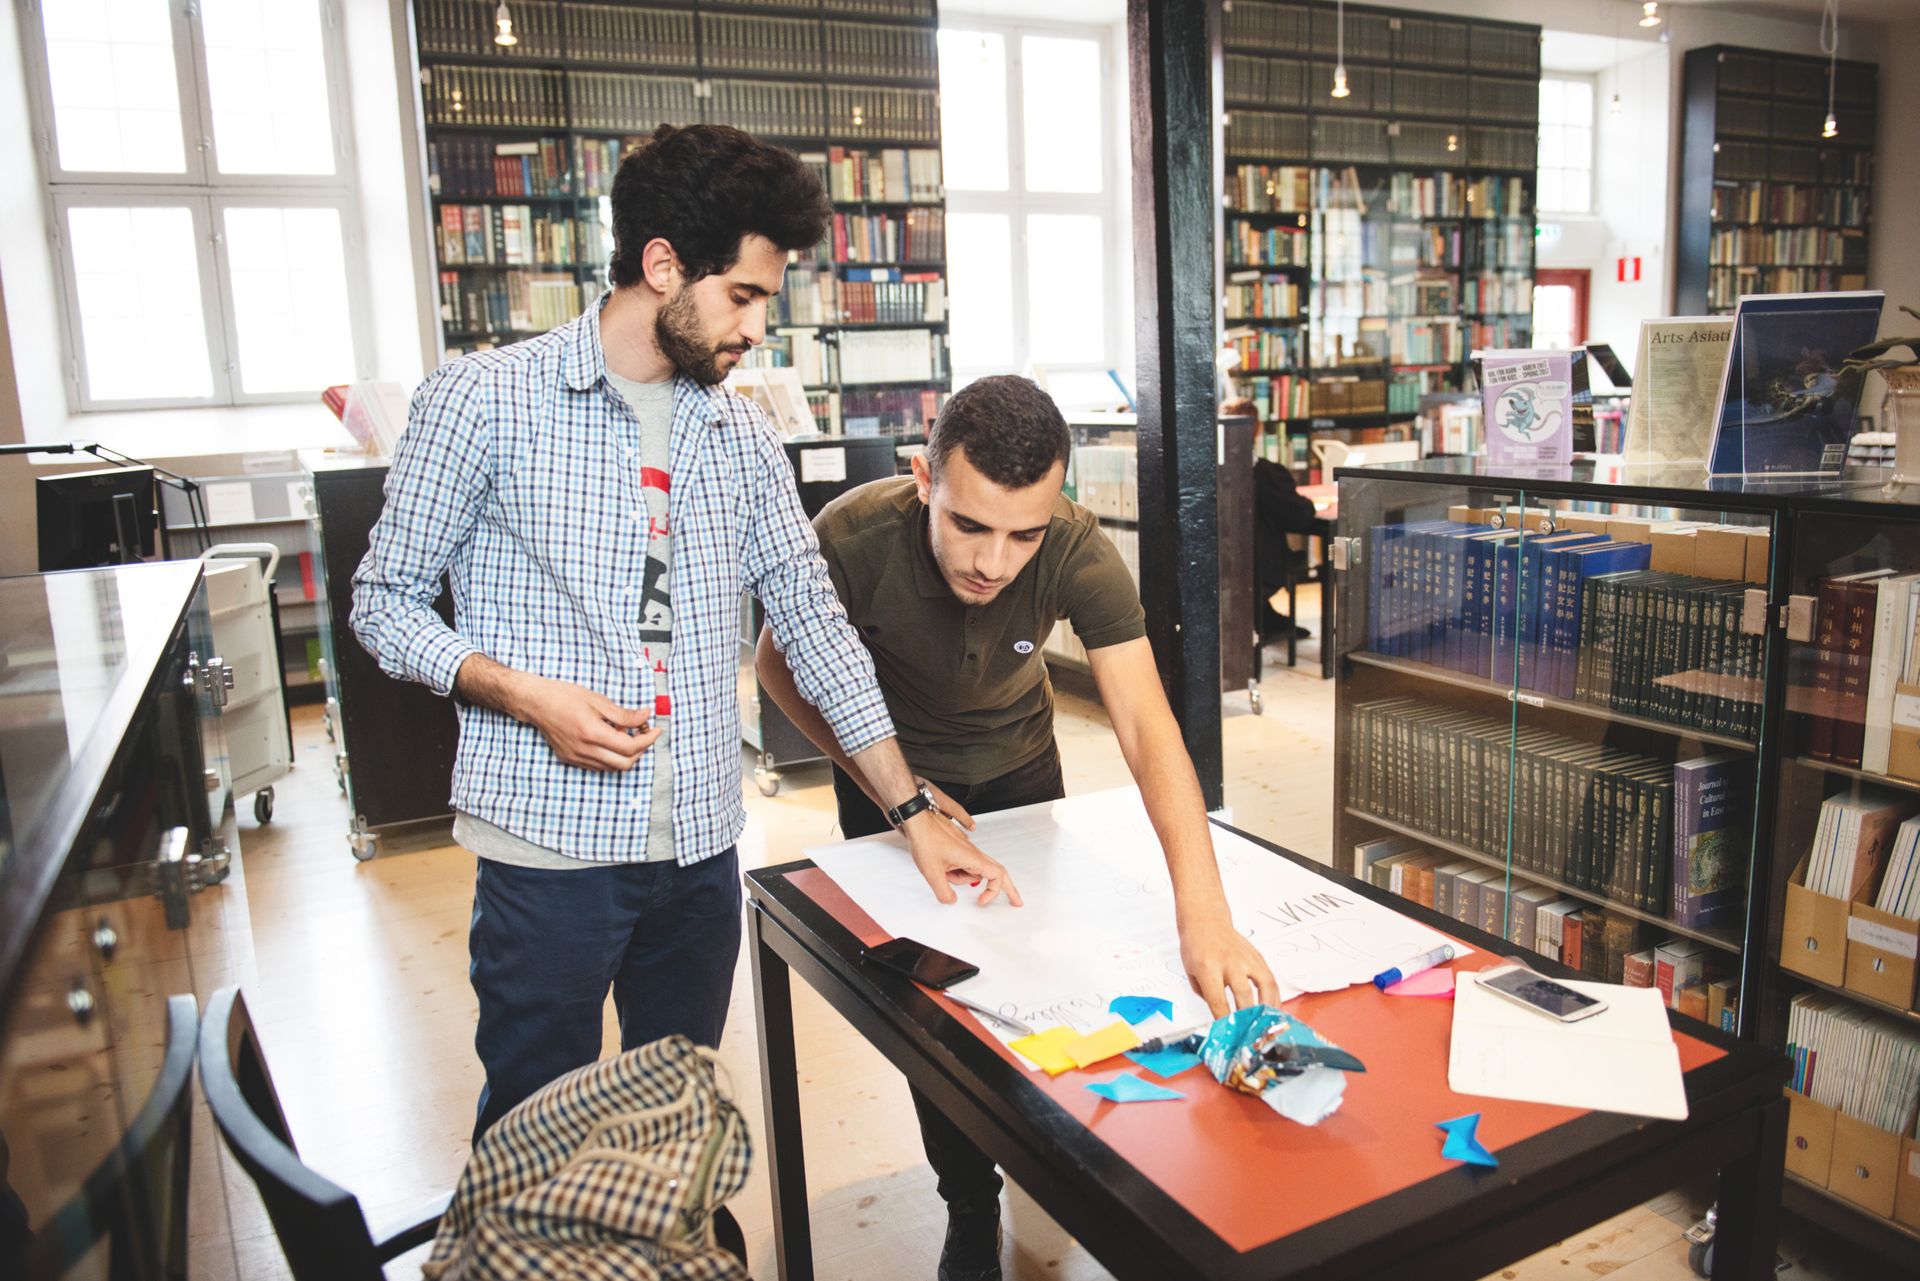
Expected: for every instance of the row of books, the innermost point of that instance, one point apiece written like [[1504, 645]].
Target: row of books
[[460, 165], [1726, 285], [1760, 161], [918, 236], [1502, 245], [1787, 202], [518, 236], [893, 175], [510, 302], [1747, 72], [1432, 341], [1864, 652], [890, 296], [1417, 196], [1504, 293], [1362, 295], [1507, 331], [1267, 246], [1424, 245], [464, 28], [1449, 427], [1433, 42], [885, 413], [638, 104], [1252, 296], [892, 51], [1408, 389], [1422, 293], [1861, 1063], [1785, 246], [1266, 349], [1267, 133], [597, 160], [1343, 340], [1596, 819], [892, 115], [884, 356], [1276, 396], [499, 96], [1608, 946], [1851, 840]]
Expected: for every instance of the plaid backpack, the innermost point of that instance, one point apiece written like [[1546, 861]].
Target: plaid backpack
[[612, 1171]]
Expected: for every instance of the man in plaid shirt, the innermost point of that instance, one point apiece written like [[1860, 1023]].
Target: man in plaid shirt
[[600, 503]]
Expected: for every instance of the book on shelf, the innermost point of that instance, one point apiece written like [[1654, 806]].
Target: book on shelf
[[1712, 796], [511, 235], [1845, 630], [473, 166], [1899, 893], [1783, 406], [1862, 1063], [1889, 646], [920, 236], [892, 175], [857, 48], [1253, 295], [1852, 840], [1678, 964], [513, 303]]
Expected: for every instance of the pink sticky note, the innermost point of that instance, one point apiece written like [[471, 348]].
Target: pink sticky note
[[1434, 982]]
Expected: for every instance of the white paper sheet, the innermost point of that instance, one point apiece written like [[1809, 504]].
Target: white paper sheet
[[1620, 1060], [1098, 921], [229, 503]]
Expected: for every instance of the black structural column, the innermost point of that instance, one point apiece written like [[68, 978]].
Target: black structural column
[[1170, 54]]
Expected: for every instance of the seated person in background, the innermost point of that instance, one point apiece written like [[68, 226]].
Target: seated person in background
[[954, 577], [1279, 509]]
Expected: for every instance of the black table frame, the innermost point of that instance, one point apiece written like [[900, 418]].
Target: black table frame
[[1464, 1223]]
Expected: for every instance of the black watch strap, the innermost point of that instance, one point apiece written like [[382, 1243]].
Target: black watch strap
[[899, 814]]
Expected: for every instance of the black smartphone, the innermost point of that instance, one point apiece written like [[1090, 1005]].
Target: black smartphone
[[921, 963]]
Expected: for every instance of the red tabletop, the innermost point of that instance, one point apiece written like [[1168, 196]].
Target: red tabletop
[[1246, 1172]]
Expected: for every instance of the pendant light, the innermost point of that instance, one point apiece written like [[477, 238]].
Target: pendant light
[[503, 27], [1830, 45], [1340, 89], [1650, 13]]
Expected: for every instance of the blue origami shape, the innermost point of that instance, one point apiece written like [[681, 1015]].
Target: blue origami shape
[[1137, 1009], [1463, 1144], [1128, 1088], [1165, 1063]]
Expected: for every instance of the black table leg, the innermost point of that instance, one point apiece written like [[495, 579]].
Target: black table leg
[[780, 1091], [1748, 1224]]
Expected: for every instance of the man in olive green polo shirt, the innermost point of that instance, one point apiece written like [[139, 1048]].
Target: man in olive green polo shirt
[[954, 577]]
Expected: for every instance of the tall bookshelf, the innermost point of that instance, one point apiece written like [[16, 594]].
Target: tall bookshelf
[[523, 142], [1372, 242], [1767, 205]]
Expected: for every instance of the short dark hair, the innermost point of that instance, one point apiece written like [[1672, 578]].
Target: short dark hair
[[703, 189], [1011, 430]]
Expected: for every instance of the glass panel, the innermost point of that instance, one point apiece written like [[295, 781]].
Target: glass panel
[[116, 90], [1066, 293], [138, 289], [268, 85], [288, 268], [1060, 80], [973, 109], [980, 272], [1553, 316]]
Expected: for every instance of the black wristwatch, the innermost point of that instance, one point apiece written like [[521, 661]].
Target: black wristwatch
[[922, 799]]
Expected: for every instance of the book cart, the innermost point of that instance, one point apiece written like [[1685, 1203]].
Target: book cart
[[1600, 710]]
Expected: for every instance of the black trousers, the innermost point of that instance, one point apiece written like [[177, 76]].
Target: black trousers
[[966, 1174]]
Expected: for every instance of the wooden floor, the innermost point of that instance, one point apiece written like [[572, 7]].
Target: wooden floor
[[357, 979]]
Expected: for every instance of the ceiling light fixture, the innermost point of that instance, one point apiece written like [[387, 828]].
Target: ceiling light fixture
[[1830, 45], [503, 27], [1340, 89], [1650, 13]]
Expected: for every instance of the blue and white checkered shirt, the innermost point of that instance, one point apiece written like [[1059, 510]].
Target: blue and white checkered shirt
[[518, 477]]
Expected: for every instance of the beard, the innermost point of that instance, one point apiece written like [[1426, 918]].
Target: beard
[[677, 329]]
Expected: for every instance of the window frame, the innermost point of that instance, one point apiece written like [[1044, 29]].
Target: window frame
[[205, 192], [1017, 203], [1592, 126]]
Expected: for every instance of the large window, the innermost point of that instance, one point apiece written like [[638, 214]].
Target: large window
[[1566, 145], [1031, 191], [201, 198]]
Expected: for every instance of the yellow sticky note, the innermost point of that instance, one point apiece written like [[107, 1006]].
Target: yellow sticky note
[[1097, 1047], [1044, 1050]]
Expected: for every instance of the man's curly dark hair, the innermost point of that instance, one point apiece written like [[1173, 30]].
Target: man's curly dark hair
[[702, 189], [1011, 430]]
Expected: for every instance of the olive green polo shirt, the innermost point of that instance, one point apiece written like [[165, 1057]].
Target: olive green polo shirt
[[966, 685]]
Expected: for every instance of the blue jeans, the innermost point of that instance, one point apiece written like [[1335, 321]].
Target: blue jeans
[[546, 945]]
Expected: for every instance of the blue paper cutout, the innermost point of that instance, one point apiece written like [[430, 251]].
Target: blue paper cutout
[[1136, 1009], [1463, 1143], [1165, 1063], [1128, 1088]]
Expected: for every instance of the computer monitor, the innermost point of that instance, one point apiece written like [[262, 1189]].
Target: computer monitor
[[91, 518]]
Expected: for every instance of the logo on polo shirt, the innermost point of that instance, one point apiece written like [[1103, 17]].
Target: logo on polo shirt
[[1023, 647]]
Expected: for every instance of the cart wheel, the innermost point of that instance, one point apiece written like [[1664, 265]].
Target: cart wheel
[[263, 806], [767, 780], [1700, 1259], [326, 719], [1253, 697], [364, 844]]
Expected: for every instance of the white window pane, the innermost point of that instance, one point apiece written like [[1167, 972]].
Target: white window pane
[[980, 282], [289, 272], [1060, 80], [1579, 102], [115, 87], [973, 109], [268, 86], [1066, 303], [1579, 147], [1550, 189], [142, 332], [1550, 101], [1578, 190]]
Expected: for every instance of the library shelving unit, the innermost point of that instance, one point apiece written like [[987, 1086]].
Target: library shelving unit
[[523, 141], [1372, 241], [1543, 731], [1767, 204]]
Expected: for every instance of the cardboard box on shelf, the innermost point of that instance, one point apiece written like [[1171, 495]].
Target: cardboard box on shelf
[[1674, 550], [1906, 1194], [1809, 1138], [1813, 930], [1720, 551], [1866, 1162], [1881, 948]]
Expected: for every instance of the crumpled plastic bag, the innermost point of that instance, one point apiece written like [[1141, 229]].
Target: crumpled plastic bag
[[1270, 1054]]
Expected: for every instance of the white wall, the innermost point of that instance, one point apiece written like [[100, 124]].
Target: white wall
[[1633, 197]]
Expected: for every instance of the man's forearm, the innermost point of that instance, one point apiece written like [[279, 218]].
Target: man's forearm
[[1171, 791], [485, 683], [776, 681]]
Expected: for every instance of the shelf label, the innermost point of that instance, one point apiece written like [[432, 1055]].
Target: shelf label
[[1531, 700], [1884, 937]]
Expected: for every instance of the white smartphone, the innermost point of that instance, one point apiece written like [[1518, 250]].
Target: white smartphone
[[1541, 994]]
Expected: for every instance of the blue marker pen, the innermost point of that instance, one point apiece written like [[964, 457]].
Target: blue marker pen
[[1418, 965]]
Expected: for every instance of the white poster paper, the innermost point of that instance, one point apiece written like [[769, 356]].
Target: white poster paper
[[828, 463], [230, 503], [1098, 921]]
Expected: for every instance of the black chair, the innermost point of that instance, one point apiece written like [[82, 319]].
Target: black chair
[[137, 1197], [323, 1232]]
